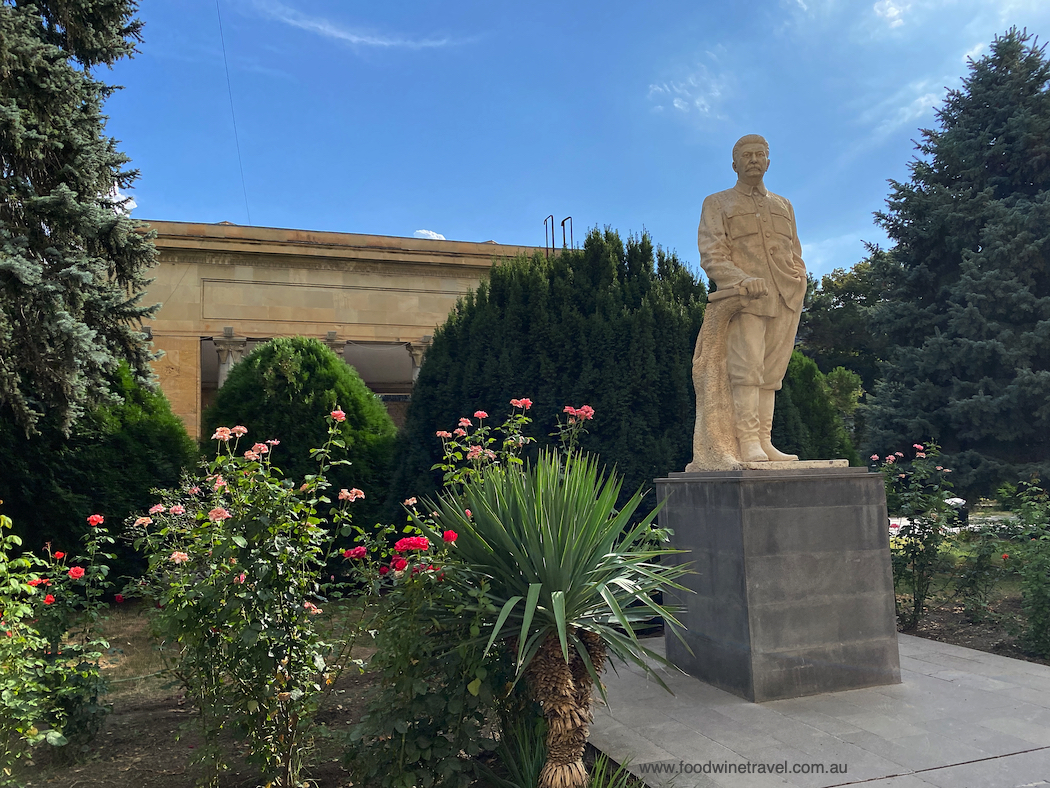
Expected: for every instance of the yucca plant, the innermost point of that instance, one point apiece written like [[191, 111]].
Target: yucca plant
[[571, 577]]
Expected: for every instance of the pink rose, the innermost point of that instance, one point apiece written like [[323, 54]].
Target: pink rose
[[222, 434], [459, 432], [443, 434], [156, 508], [219, 513], [143, 521], [480, 414], [260, 448], [338, 415], [178, 557], [178, 509], [409, 501], [239, 430], [464, 422]]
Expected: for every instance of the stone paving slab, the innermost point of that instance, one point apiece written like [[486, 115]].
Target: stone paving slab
[[960, 719]]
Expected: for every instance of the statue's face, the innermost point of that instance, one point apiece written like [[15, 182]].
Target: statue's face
[[751, 161]]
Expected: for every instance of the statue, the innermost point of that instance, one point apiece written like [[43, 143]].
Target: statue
[[749, 248]]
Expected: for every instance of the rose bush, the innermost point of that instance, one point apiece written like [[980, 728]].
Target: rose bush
[[242, 564], [51, 683]]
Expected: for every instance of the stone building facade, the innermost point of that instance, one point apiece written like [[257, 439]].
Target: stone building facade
[[375, 300]]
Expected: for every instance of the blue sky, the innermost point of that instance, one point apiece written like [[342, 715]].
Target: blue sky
[[475, 120]]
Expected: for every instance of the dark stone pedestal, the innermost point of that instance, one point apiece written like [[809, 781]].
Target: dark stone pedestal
[[794, 589]]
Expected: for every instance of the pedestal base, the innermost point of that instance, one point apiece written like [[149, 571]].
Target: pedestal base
[[793, 584]]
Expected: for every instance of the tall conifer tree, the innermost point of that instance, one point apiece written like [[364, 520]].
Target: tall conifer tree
[[72, 262], [611, 326], [968, 315]]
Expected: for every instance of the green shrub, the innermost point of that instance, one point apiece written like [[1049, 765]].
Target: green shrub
[[1033, 551], [808, 422], [116, 454], [284, 389]]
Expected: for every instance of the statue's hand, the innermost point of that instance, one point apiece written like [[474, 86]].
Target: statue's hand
[[754, 287]]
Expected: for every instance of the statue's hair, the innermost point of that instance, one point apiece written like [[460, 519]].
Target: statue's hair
[[748, 139]]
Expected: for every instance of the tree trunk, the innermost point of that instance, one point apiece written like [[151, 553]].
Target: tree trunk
[[564, 693]]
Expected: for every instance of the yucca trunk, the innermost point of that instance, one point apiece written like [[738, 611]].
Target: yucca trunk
[[564, 693]]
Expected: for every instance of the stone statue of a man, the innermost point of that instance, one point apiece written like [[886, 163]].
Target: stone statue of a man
[[749, 248]]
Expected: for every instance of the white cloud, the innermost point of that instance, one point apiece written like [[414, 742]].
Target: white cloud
[[323, 27], [892, 11], [122, 203], [909, 113], [430, 234], [975, 52], [907, 106], [701, 92], [840, 251]]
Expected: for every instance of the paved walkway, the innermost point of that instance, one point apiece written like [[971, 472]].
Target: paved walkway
[[960, 719]]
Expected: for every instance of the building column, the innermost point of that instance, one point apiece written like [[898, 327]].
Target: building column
[[417, 350], [336, 345], [231, 349]]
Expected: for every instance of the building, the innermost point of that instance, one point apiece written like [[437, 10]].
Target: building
[[373, 299]]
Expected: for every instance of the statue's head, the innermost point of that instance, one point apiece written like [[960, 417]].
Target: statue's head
[[751, 158]]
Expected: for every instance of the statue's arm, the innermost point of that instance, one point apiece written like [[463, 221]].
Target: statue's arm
[[712, 238], [796, 246]]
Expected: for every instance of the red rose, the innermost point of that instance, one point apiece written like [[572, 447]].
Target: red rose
[[119, 598], [49, 599], [450, 536], [59, 556], [95, 519], [358, 552], [76, 572], [411, 543], [384, 570], [399, 564]]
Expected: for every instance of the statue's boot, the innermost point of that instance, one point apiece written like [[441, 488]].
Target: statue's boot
[[766, 401], [745, 406]]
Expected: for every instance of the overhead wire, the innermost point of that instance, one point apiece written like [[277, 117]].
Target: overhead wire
[[233, 114]]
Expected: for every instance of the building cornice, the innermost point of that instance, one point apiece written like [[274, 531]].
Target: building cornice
[[230, 244]]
